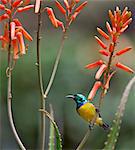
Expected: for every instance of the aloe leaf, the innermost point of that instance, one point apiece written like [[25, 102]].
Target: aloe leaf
[[57, 133], [51, 137], [115, 129]]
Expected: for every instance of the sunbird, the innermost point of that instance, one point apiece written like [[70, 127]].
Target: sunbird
[[88, 111]]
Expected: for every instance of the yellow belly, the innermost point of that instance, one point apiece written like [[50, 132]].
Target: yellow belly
[[87, 111]]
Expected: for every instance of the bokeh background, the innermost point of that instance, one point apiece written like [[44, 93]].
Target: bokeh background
[[80, 49]]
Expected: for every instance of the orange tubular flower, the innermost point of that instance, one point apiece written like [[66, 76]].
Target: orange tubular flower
[[111, 47], [119, 22], [8, 11], [25, 33], [108, 27], [104, 52], [52, 16], [100, 71], [78, 9], [16, 3], [73, 17], [103, 34], [77, 1], [2, 7], [15, 49], [60, 24], [94, 65], [21, 43], [15, 28], [3, 17], [125, 68], [123, 51], [37, 6], [17, 22], [4, 1], [92, 93], [69, 11], [60, 7], [22, 9], [12, 27], [127, 22], [108, 81], [100, 43], [66, 4]]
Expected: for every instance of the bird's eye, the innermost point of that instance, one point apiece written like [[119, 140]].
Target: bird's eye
[[81, 99]]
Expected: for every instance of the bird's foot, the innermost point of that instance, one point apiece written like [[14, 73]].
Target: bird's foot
[[91, 126], [98, 112]]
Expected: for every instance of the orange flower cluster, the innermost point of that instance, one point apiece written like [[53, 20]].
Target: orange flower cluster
[[70, 11], [119, 23], [14, 32]]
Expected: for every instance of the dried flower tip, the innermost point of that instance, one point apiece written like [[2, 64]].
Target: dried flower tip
[[111, 47], [100, 43], [16, 3], [2, 7], [78, 9], [12, 28], [60, 7], [100, 71], [108, 27], [92, 93], [17, 22], [3, 17], [108, 80], [123, 29], [123, 51], [52, 16], [125, 68], [4, 1], [37, 6], [66, 4], [15, 49], [94, 65], [103, 33], [104, 52], [22, 9], [21, 43]]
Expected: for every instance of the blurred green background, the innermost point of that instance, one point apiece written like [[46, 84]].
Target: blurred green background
[[80, 49]]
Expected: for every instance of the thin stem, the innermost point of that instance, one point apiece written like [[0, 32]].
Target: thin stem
[[56, 64], [58, 135], [80, 146], [9, 95], [40, 82], [103, 92]]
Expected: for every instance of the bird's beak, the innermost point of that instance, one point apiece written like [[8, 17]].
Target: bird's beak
[[70, 96]]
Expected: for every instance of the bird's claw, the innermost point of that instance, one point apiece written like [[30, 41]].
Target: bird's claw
[[98, 112], [91, 126]]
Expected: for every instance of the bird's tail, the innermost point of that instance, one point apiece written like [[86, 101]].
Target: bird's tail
[[100, 122], [105, 126]]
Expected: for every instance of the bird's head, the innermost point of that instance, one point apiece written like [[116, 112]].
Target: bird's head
[[78, 98]]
